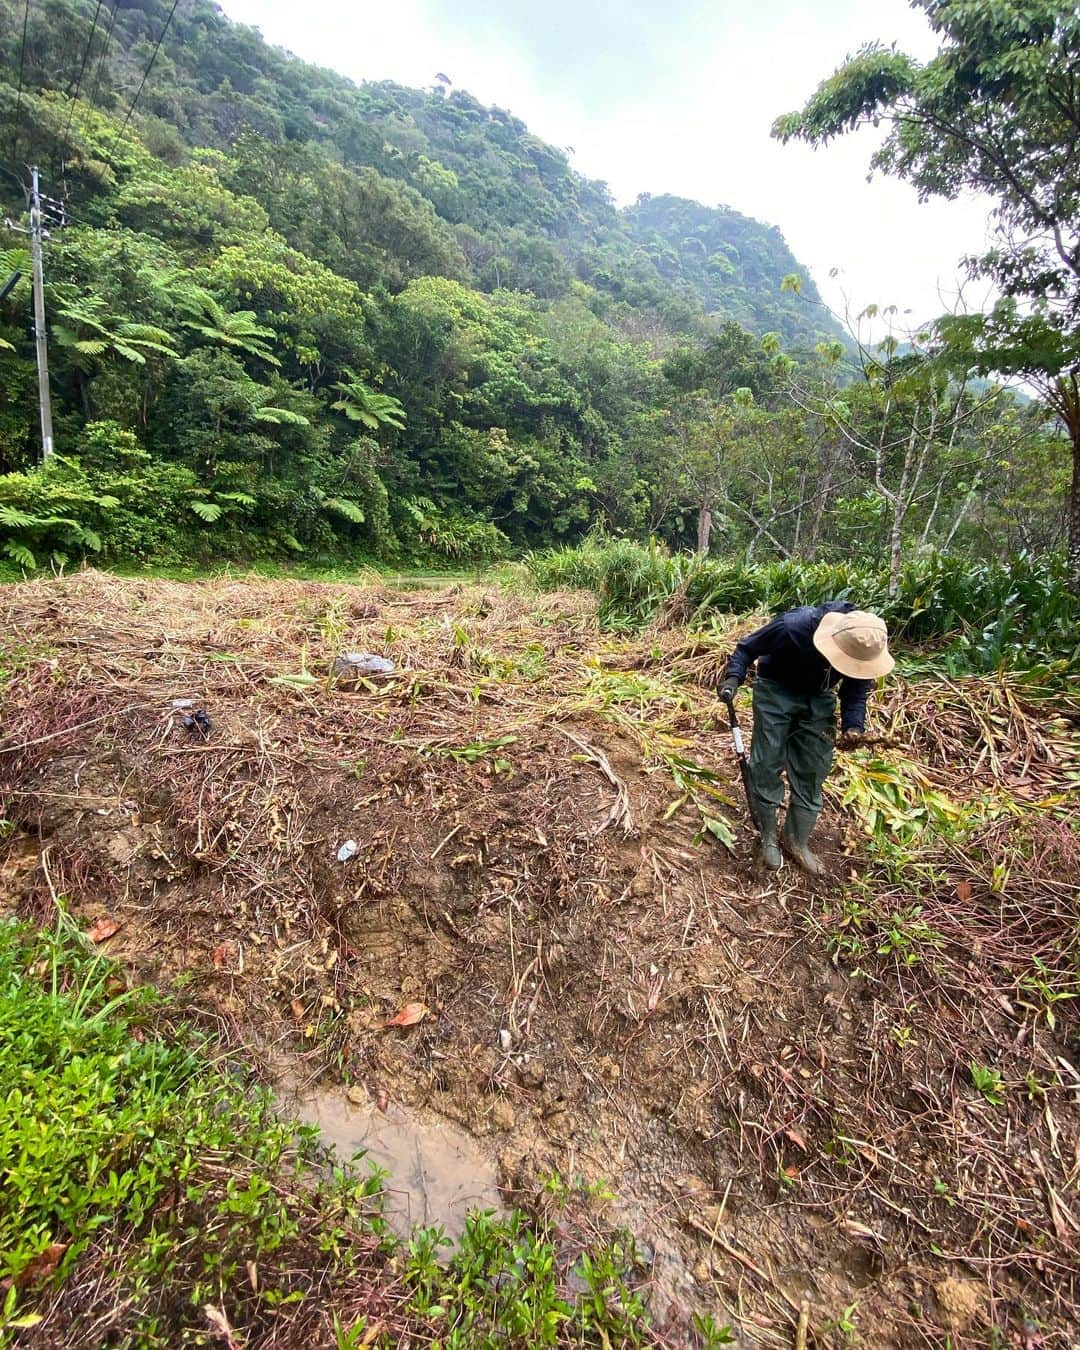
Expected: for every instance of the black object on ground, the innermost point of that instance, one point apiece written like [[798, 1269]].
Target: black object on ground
[[197, 724]]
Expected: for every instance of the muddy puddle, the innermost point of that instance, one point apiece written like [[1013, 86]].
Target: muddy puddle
[[437, 1172]]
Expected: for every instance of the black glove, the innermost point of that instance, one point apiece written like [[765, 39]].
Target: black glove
[[729, 689]]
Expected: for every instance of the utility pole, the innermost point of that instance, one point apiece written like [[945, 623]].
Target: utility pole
[[36, 233]]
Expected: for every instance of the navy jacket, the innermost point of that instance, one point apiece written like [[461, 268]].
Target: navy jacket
[[784, 651]]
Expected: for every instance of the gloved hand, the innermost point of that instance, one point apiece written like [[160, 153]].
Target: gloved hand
[[729, 689], [850, 739]]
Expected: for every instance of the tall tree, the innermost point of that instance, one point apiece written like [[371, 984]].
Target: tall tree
[[996, 111]]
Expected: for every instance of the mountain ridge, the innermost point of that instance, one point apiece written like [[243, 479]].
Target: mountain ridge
[[487, 176]]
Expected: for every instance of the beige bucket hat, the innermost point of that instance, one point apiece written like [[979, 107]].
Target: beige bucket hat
[[855, 644]]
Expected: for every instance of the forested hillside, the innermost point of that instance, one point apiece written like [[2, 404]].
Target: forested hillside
[[294, 317], [521, 217], [732, 263]]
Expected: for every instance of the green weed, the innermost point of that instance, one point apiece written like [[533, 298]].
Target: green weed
[[563, 1191], [1042, 989], [989, 1082], [867, 926], [476, 751]]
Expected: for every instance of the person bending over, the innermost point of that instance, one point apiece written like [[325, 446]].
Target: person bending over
[[803, 657]]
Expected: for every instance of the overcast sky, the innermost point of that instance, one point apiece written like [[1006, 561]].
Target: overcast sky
[[675, 96]]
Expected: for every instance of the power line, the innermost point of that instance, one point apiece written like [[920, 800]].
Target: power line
[[82, 72], [104, 52], [18, 101], [142, 82]]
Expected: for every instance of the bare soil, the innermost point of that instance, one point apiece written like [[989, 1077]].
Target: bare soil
[[611, 1001]]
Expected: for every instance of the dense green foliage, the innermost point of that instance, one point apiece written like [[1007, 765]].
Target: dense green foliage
[[995, 111], [176, 1201], [989, 616], [296, 319]]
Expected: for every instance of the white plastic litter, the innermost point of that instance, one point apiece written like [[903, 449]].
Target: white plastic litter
[[348, 850]]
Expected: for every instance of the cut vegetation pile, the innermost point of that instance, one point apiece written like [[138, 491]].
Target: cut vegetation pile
[[825, 1113]]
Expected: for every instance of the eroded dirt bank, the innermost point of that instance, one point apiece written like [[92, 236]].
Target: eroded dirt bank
[[776, 1087]]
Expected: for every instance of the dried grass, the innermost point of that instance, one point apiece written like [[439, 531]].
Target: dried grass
[[519, 867]]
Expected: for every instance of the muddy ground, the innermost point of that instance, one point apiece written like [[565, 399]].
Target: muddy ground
[[610, 1002]]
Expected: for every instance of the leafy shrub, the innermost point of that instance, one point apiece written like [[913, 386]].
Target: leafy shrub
[[112, 500], [115, 501], [67, 1053], [449, 534]]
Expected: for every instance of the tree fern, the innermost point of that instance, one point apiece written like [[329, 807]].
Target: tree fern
[[108, 333], [280, 417], [15, 519], [361, 404], [145, 332], [15, 260], [342, 506], [239, 329], [20, 553]]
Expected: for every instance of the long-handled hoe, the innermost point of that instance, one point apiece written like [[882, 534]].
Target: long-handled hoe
[[744, 761]]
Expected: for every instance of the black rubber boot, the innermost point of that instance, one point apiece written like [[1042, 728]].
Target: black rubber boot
[[770, 847], [798, 827]]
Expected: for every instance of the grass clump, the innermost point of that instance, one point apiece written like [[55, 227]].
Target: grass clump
[[149, 1187]]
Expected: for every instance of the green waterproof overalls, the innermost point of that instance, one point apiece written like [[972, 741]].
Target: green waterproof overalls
[[793, 735]]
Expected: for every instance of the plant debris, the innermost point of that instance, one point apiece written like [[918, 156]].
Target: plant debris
[[775, 1079]]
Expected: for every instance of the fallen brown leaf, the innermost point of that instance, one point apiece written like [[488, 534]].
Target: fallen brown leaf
[[797, 1139], [382, 1098], [297, 1009], [409, 1015], [42, 1266], [221, 955], [963, 890], [103, 930], [220, 1324]]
